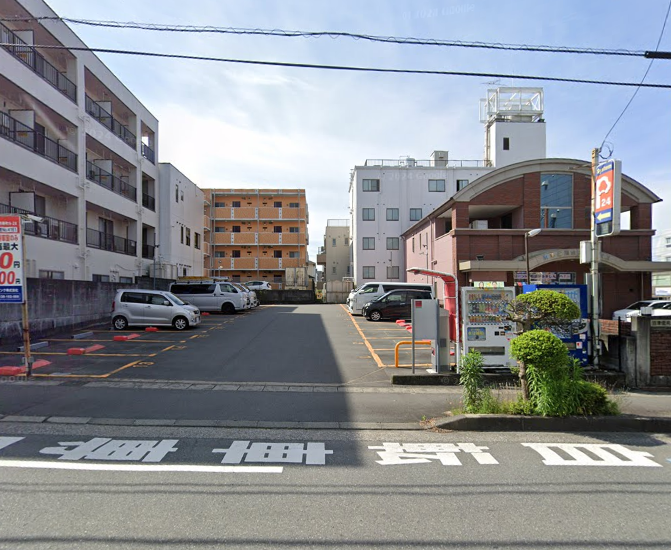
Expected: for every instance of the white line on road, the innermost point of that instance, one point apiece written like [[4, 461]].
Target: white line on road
[[7, 441], [46, 465]]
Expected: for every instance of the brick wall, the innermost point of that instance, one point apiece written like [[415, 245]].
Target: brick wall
[[660, 352]]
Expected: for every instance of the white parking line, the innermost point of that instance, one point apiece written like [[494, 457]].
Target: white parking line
[[47, 465]]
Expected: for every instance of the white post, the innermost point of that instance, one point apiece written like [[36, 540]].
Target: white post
[[594, 267]]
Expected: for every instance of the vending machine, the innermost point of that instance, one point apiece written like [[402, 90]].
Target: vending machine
[[577, 337], [485, 328]]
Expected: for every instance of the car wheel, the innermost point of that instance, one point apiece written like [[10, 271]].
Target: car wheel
[[180, 323], [119, 323], [375, 316], [228, 309]]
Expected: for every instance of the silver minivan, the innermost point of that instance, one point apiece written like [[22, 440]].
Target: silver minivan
[[211, 295], [134, 306]]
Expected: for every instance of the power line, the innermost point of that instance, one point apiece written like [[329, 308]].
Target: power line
[[659, 41], [334, 35], [341, 67]]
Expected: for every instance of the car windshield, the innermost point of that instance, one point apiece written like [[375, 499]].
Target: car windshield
[[175, 299]]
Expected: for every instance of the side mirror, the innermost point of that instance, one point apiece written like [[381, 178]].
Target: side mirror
[[166, 303]]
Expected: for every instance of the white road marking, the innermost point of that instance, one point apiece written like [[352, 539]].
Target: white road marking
[[605, 455], [45, 465], [7, 441]]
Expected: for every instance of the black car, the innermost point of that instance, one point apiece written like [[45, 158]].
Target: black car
[[395, 304]]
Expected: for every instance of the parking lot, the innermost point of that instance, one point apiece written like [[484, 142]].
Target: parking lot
[[302, 344]]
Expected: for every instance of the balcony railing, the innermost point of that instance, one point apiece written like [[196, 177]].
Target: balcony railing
[[37, 63], [109, 122], [148, 153], [148, 251], [48, 228], [149, 202], [37, 142], [110, 181], [105, 241]]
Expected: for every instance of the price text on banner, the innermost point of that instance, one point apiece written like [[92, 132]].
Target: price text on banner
[[11, 260]]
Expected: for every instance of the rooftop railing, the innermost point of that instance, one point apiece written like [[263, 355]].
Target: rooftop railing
[[110, 181], [37, 142], [413, 163], [37, 63], [109, 122], [48, 228], [112, 243]]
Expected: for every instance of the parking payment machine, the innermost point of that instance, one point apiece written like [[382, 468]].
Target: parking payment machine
[[485, 328], [430, 322]]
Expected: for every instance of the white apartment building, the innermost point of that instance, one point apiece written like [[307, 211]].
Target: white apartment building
[[335, 254], [661, 252], [180, 247], [387, 197], [77, 149]]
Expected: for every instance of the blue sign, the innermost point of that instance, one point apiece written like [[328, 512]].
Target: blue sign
[[11, 295]]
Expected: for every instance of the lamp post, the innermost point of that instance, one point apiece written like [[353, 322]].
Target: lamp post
[[527, 236]]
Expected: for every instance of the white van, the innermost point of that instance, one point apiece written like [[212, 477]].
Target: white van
[[211, 295], [359, 297]]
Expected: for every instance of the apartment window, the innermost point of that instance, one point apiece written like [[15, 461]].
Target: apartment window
[[219, 253], [47, 274], [506, 144], [369, 243], [333, 242], [220, 230], [277, 229], [392, 243], [235, 204], [371, 185], [437, 186], [392, 214], [188, 237], [236, 229], [368, 214], [461, 184], [415, 214], [176, 193], [235, 253], [181, 234], [181, 196], [126, 280], [294, 254], [334, 270], [277, 279], [346, 241], [556, 201], [278, 204], [293, 205], [196, 243], [277, 254], [100, 278], [369, 272], [668, 241], [348, 269], [392, 272], [293, 230], [220, 204]]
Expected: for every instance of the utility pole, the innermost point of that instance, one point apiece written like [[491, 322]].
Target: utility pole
[[594, 267]]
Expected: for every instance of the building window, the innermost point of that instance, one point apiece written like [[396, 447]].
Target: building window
[[368, 214], [181, 234], [437, 186], [294, 254], [220, 230], [461, 184], [219, 204], [188, 237], [219, 253], [506, 144], [181, 196], [277, 229], [293, 205], [236, 229], [100, 278], [176, 193], [333, 242], [369, 272], [334, 270], [293, 230], [556, 201], [415, 214], [346, 239], [196, 243], [371, 185], [392, 272], [235, 204], [392, 243], [126, 280], [235, 253], [392, 214], [278, 204], [369, 243], [277, 279], [348, 270], [277, 253], [668, 241], [47, 274]]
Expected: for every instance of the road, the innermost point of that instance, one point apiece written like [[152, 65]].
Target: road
[[330, 489]]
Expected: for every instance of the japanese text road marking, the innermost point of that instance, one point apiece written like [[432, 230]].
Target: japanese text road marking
[[596, 455], [7, 441], [419, 453], [239, 451]]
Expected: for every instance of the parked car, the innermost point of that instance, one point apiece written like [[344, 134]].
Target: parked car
[[369, 291], [253, 298], [659, 308], [152, 308], [396, 304], [258, 285], [211, 295]]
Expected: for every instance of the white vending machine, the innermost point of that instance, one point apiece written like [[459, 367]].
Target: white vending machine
[[485, 328]]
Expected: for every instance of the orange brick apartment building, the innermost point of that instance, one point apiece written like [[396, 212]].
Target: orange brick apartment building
[[255, 234]]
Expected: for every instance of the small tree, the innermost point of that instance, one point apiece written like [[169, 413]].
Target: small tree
[[540, 309]]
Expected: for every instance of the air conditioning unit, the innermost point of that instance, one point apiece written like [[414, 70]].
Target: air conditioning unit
[[479, 224]]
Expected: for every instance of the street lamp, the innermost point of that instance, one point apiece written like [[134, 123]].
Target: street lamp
[[527, 236]]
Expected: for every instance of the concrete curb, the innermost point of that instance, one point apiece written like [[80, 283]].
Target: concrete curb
[[514, 423]]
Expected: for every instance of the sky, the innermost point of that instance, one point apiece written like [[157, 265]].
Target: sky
[[243, 126]]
